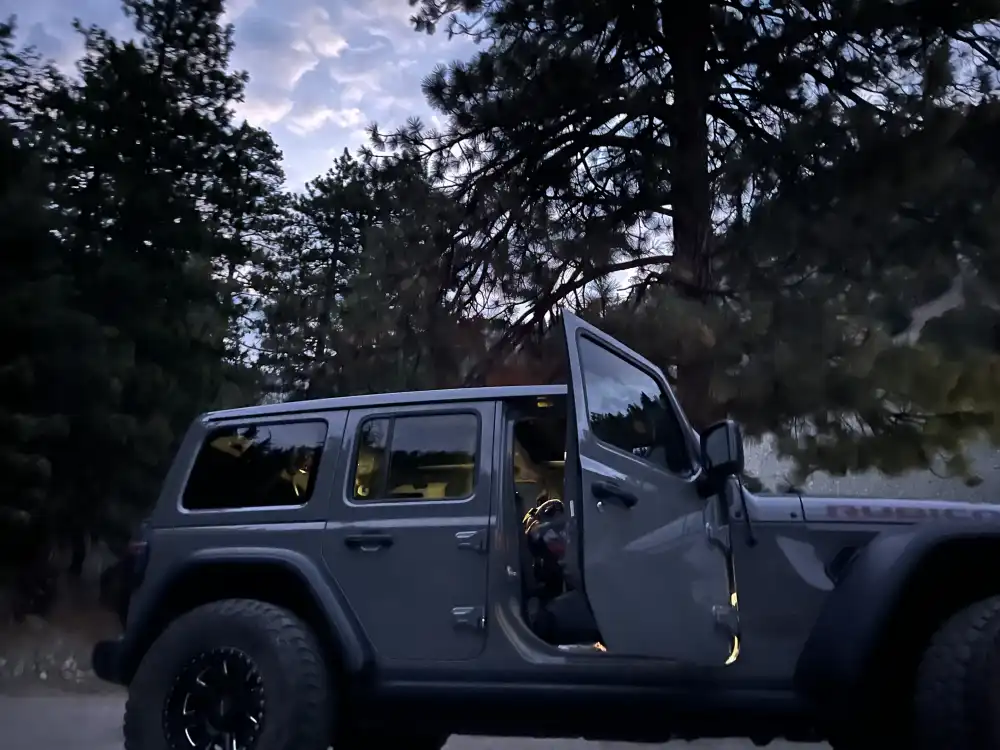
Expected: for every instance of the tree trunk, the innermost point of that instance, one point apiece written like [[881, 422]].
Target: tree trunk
[[688, 31]]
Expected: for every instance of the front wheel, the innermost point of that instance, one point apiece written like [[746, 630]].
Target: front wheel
[[236, 674], [958, 682]]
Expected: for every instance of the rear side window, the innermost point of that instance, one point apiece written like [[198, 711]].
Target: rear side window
[[628, 409], [256, 466], [425, 457]]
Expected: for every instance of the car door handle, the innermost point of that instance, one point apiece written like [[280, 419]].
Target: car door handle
[[368, 542], [615, 494]]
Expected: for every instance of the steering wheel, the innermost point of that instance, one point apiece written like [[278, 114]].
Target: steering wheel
[[545, 533], [541, 519], [549, 509], [543, 511]]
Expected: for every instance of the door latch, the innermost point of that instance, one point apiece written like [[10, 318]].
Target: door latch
[[472, 540], [473, 618], [727, 617]]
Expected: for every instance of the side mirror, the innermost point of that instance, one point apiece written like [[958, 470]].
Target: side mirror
[[722, 451]]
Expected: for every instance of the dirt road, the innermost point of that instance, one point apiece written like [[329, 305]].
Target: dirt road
[[94, 723]]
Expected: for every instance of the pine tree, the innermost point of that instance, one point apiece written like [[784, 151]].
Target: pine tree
[[359, 289], [304, 279], [906, 224], [405, 298], [45, 376], [248, 216], [593, 141], [23, 79], [47, 367], [160, 194]]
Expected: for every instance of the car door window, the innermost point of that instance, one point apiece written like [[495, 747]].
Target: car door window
[[255, 466], [425, 457], [628, 409]]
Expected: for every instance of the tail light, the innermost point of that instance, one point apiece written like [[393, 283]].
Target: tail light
[[131, 569], [138, 554]]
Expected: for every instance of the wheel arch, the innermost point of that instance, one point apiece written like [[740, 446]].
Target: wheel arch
[[279, 576], [874, 626]]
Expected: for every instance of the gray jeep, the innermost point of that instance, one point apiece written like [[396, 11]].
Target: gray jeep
[[541, 561]]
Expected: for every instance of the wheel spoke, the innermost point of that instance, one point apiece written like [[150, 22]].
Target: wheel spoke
[[191, 719], [246, 724], [201, 688], [199, 743]]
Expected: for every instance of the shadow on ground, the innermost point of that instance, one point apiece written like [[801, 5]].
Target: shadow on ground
[[93, 722]]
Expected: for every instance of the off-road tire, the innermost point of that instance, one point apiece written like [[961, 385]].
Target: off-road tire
[[297, 689], [957, 705]]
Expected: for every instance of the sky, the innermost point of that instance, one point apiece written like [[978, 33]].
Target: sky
[[320, 70]]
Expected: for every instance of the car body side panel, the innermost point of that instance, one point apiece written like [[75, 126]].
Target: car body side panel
[[296, 548], [842, 643], [516, 663], [388, 401], [783, 570], [656, 579], [422, 597], [889, 512], [288, 537], [170, 514]]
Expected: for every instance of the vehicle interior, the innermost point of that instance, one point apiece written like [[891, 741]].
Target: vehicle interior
[[241, 462], [451, 477], [409, 465], [553, 603]]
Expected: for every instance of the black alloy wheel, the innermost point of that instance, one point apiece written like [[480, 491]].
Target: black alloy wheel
[[233, 674], [216, 702]]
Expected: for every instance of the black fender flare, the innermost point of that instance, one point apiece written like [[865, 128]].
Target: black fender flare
[[831, 669], [355, 653]]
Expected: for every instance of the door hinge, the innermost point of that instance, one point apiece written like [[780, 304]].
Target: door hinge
[[472, 540], [727, 617], [469, 617], [718, 536]]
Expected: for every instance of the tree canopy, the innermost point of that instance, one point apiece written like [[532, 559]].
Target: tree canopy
[[783, 187], [789, 207]]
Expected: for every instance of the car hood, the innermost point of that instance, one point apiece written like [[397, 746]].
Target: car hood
[[887, 510]]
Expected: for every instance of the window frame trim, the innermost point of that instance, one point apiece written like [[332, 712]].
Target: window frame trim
[[242, 424], [665, 390], [392, 416]]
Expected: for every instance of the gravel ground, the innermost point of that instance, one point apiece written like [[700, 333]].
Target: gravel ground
[[93, 722]]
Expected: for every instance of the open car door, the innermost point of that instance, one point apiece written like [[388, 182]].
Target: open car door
[[655, 556]]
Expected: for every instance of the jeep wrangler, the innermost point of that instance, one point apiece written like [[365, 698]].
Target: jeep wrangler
[[542, 561]]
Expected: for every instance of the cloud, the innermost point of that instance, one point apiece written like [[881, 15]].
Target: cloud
[[398, 11], [48, 45], [313, 120], [236, 8], [320, 34], [264, 112], [320, 70]]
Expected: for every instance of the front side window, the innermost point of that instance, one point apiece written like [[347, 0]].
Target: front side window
[[629, 410], [421, 457], [256, 466]]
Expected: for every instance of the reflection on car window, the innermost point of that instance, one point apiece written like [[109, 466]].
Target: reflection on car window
[[371, 454], [253, 466], [628, 409], [417, 458]]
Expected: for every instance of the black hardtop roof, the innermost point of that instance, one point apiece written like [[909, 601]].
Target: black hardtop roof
[[407, 398]]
